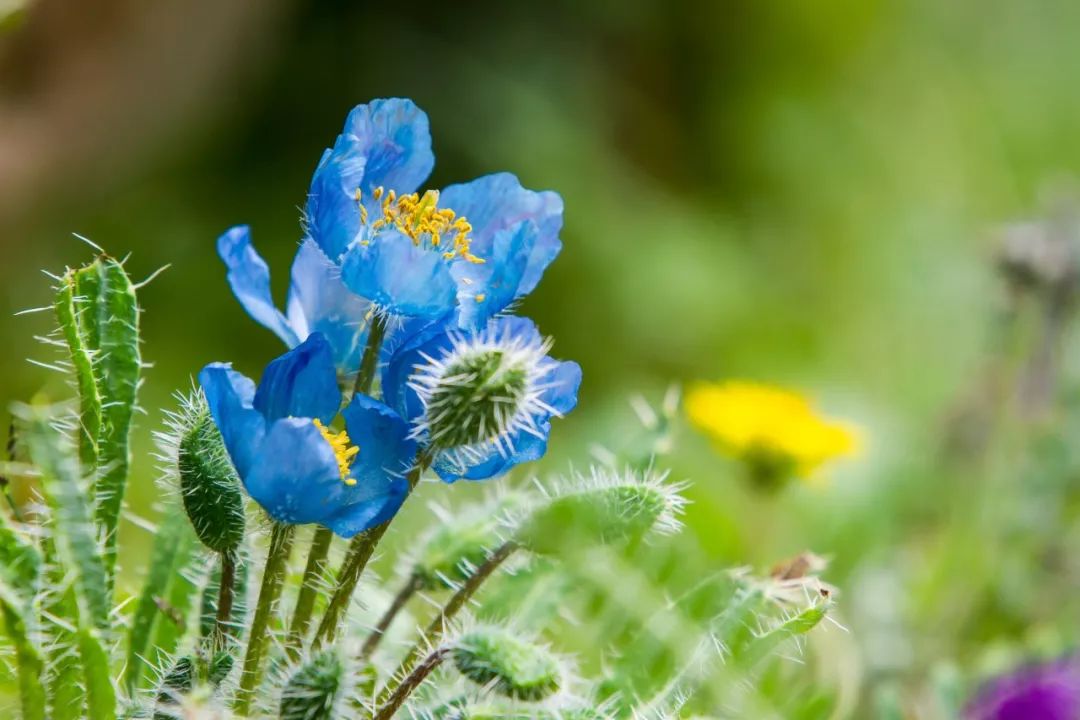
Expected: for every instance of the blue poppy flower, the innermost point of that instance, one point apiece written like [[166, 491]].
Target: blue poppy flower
[[424, 375], [470, 251], [317, 302], [299, 470]]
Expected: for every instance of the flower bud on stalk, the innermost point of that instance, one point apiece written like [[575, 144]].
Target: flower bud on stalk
[[314, 688], [496, 658]]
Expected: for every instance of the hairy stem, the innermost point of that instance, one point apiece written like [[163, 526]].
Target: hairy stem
[[273, 574], [416, 677], [376, 636], [360, 551], [369, 363], [226, 594], [437, 627], [309, 588]]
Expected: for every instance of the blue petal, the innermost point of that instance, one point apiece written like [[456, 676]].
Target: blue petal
[[296, 479], [400, 277], [385, 143], [301, 383], [564, 383], [386, 454], [229, 395], [320, 302], [488, 288], [400, 364], [527, 447], [498, 202], [249, 278]]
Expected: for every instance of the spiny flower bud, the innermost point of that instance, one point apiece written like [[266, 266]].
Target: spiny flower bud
[[604, 507], [484, 389], [209, 486], [314, 688], [460, 543], [516, 668]]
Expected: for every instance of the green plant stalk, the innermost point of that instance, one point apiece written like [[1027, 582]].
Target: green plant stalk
[[27, 657], [89, 399], [277, 557], [226, 594], [401, 693], [309, 588], [360, 550], [323, 538], [400, 600], [453, 606]]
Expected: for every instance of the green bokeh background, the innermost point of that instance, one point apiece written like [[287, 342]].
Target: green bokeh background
[[799, 192]]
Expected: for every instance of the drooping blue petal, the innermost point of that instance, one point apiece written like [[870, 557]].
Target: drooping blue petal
[[403, 278], [384, 143], [301, 383], [386, 454], [498, 202], [229, 395], [249, 278], [401, 361], [450, 467], [488, 288], [296, 479], [320, 302], [563, 383]]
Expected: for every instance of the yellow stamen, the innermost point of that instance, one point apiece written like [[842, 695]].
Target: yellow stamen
[[480, 297], [343, 449], [421, 219]]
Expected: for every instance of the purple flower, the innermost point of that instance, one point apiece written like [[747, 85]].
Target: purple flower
[[1039, 692]]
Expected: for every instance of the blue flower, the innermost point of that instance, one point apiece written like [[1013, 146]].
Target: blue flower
[[291, 463], [481, 401], [470, 251], [317, 302]]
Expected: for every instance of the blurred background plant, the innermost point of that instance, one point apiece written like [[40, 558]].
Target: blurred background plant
[[808, 195]]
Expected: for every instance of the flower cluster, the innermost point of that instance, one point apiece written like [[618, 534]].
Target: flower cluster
[[418, 283]]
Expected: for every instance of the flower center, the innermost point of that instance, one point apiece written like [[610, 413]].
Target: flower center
[[343, 449], [420, 218]]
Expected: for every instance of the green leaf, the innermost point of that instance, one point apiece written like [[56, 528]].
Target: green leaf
[[75, 541], [89, 400], [100, 693], [173, 549], [27, 657], [800, 623]]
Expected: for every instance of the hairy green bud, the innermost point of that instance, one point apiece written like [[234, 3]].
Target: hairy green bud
[[476, 398], [515, 668], [448, 554], [313, 689], [603, 508], [209, 486]]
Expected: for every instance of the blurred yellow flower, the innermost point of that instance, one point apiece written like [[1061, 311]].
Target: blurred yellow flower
[[776, 432]]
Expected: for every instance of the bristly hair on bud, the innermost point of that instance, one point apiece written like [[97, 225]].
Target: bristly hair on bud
[[485, 388], [313, 691], [509, 664], [193, 455], [605, 506]]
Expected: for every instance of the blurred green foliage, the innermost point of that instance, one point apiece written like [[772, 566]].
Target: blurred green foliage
[[800, 192]]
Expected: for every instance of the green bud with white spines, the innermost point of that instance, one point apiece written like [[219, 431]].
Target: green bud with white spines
[[208, 483], [602, 508], [516, 668], [459, 543], [314, 689]]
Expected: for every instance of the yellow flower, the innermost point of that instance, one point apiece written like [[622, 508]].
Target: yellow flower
[[775, 431]]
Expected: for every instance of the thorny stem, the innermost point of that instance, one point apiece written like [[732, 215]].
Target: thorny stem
[[323, 538], [435, 630], [309, 588], [226, 593], [273, 574], [416, 677], [369, 363], [399, 602]]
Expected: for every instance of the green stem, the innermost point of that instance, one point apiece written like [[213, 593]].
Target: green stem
[[273, 575], [435, 630], [360, 550], [309, 588], [226, 594], [413, 681], [399, 602], [369, 363]]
